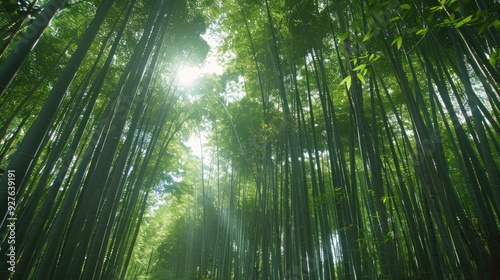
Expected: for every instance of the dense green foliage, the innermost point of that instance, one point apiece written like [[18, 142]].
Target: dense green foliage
[[349, 140]]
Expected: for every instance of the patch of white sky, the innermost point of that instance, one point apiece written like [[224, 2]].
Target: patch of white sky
[[197, 142]]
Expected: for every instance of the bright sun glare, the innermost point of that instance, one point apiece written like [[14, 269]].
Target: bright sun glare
[[187, 75]]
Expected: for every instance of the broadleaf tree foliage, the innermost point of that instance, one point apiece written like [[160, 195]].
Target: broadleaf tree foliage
[[343, 140]]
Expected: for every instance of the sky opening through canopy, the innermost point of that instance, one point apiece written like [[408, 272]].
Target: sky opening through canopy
[[188, 74]]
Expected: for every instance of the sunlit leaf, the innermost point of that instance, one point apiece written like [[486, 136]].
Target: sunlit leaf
[[359, 67], [361, 78], [405, 6], [398, 41], [422, 31], [347, 80]]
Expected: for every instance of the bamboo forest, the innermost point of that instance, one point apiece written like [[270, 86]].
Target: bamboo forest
[[250, 139]]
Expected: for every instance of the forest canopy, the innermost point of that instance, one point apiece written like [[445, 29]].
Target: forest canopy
[[249, 139]]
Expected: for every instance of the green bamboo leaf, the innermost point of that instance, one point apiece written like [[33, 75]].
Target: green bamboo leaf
[[422, 31], [359, 67], [398, 41], [394, 41], [463, 21], [493, 61], [394, 19], [495, 23], [405, 6], [344, 36], [374, 58], [347, 81], [367, 36], [361, 78], [436, 8]]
